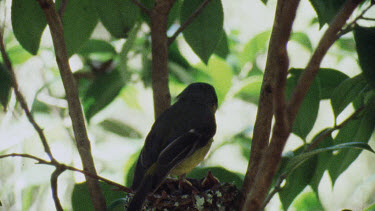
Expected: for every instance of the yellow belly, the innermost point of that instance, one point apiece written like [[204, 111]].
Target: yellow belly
[[191, 162]]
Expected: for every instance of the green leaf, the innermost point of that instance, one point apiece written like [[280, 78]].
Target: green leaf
[[302, 39], [346, 92], [221, 75], [178, 66], [79, 21], [29, 196], [120, 128], [326, 9], [28, 23], [323, 159], [117, 16], [365, 42], [358, 130], [5, 86], [329, 80], [250, 89], [129, 94], [370, 208], [97, 46], [174, 13], [129, 168], [346, 44], [300, 159], [180, 74], [308, 112], [98, 50], [17, 55], [296, 182], [255, 47], [102, 92], [244, 141], [81, 197], [39, 107], [118, 204], [205, 32], [307, 202], [175, 56], [222, 49], [221, 173]]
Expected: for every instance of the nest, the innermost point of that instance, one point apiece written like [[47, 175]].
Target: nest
[[205, 194]]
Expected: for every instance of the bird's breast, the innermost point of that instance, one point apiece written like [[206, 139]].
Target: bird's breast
[[192, 161]]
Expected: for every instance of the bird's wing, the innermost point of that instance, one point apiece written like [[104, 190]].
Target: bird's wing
[[180, 148]]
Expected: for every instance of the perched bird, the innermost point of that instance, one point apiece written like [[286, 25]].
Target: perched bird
[[178, 141]]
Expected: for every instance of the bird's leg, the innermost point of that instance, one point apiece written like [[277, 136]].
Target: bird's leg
[[181, 180]]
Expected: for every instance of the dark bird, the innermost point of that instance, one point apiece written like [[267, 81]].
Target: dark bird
[[178, 141]]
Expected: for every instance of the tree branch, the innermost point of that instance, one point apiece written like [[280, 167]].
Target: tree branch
[[142, 7], [159, 39], [64, 167], [188, 22], [351, 25], [55, 196], [272, 90], [312, 68], [22, 100], [75, 110], [328, 132], [272, 156]]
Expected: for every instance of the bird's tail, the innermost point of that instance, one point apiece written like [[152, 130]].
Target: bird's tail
[[140, 196]]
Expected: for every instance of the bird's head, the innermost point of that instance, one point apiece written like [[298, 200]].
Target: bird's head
[[201, 93]]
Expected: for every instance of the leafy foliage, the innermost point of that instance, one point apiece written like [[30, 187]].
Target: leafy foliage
[[79, 21], [365, 48], [309, 109], [101, 92], [112, 68], [117, 16], [28, 24], [81, 197], [326, 10], [205, 32], [346, 92]]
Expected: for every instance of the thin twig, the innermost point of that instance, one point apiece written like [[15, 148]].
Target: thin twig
[[62, 8], [71, 168], [312, 68], [55, 196], [328, 132], [350, 26], [368, 19], [22, 100], [142, 7], [275, 190], [188, 21], [74, 105]]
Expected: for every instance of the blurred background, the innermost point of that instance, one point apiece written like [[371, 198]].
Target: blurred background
[[120, 114]]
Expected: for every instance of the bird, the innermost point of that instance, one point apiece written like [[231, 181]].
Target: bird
[[178, 141]]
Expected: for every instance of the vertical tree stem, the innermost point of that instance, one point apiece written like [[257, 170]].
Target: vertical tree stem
[[159, 39], [74, 105], [277, 63]]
